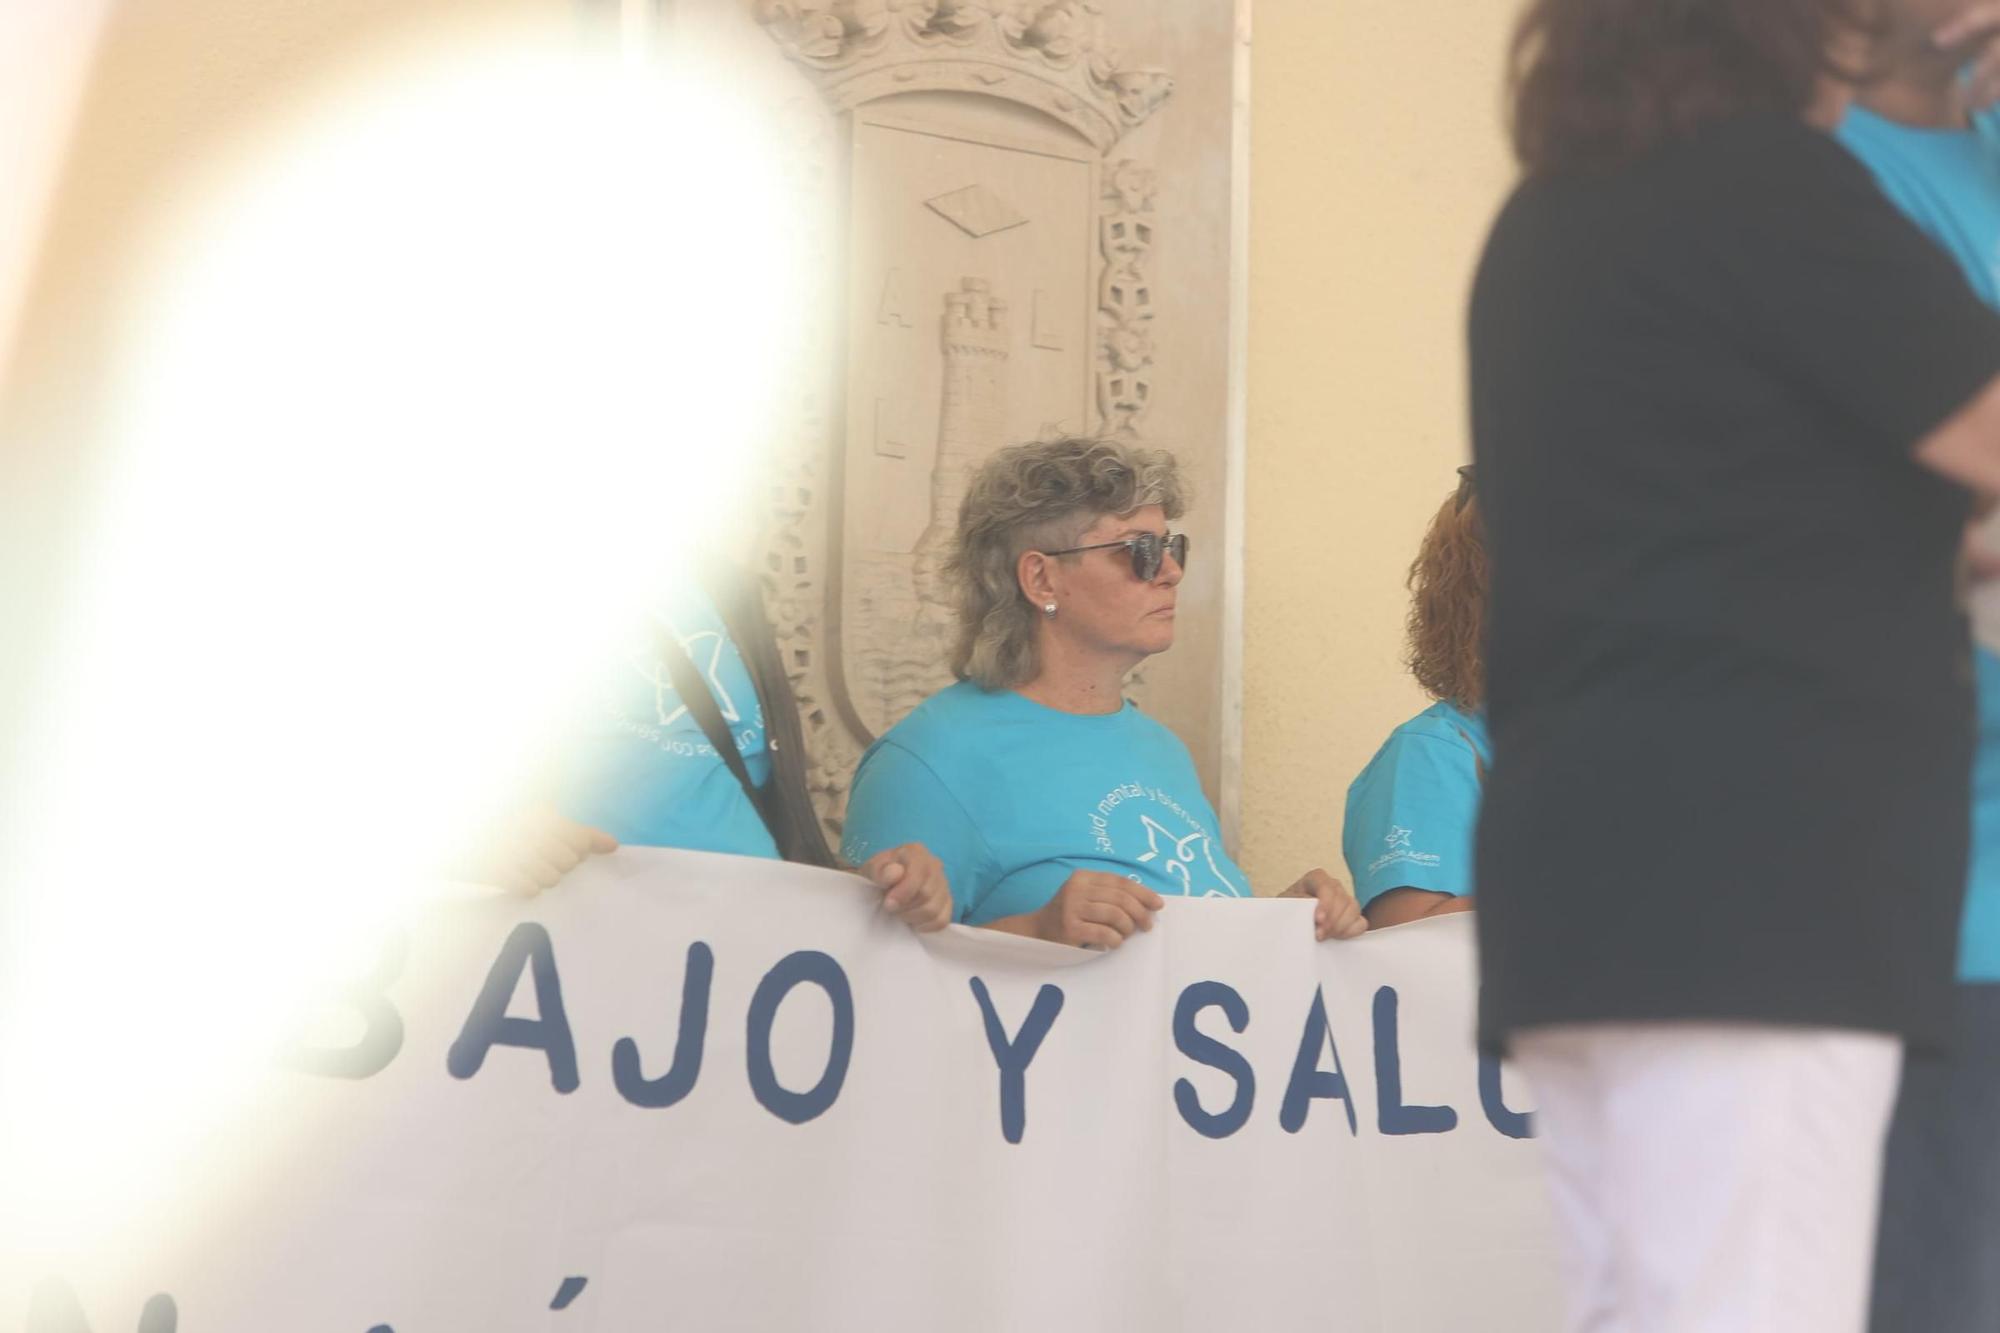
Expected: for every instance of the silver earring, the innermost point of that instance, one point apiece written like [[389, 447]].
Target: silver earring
[[1049, 610]]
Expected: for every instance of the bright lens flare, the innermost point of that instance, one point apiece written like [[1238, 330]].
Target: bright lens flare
[[434, 393]]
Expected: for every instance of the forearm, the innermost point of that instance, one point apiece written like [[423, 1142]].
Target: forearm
[[1400, 906], [1026, 923]]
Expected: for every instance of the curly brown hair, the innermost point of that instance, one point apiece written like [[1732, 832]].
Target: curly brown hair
[[1447, 621], [1594, 83]]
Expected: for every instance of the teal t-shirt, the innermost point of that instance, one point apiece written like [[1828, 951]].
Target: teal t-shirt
[[1412, 812], [1014, 797], [639, 766], [1979, 937], [1945, 181], [1948, 183]]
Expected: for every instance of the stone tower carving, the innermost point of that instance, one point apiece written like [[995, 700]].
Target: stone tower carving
[[975, 393], [908, 605]]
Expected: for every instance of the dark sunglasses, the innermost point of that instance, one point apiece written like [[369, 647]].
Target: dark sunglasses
[[1148, 550]]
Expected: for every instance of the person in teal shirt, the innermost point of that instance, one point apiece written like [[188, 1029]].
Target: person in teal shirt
[[1940, 1213], [1412, 812], [1941, 167], [639, 766], [1058, 809], [1016, 797], [639, 763]]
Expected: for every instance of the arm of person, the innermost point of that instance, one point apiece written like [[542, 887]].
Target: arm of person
[[916, 887], [1966, 448], [1862, 311], [1408, 833], [1981, 551], [1400, 906], [1973, 36], [531, 850], [907, 831], [1338, 916], [1093, 909]]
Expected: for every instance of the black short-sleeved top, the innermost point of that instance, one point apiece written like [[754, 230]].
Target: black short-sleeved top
[[1730, 685]]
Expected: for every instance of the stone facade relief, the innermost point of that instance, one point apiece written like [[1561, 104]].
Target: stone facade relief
[[898, 637], [997, 288], [1125, 300], [972, 226], [1053, 55]]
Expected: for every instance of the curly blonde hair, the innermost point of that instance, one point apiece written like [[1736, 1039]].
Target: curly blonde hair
[[1447, 623], [1038, 497]]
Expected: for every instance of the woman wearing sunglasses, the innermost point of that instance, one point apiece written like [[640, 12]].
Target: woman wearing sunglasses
[[1059, 810], [1412, 812]]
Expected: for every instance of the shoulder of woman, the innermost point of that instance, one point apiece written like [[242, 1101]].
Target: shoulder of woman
[[1426, 739], [939, 724], [1135, 715], [1768, 158]]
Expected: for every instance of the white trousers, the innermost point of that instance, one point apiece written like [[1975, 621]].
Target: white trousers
[[1713, 1178]]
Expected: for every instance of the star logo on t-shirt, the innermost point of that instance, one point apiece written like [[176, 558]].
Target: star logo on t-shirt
[[1398, 837], [1180, 859], [704, 648]]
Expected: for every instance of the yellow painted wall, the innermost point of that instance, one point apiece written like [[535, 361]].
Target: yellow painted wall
[[1377, 161]]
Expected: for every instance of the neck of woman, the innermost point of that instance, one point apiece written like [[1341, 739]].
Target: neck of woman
[[1829, 104], [1919, 89], [1073, 680]]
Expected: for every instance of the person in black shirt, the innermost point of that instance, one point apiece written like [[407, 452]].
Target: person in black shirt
[[1728, 406]]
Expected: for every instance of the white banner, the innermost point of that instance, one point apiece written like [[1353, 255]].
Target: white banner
[[700, 1093]]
